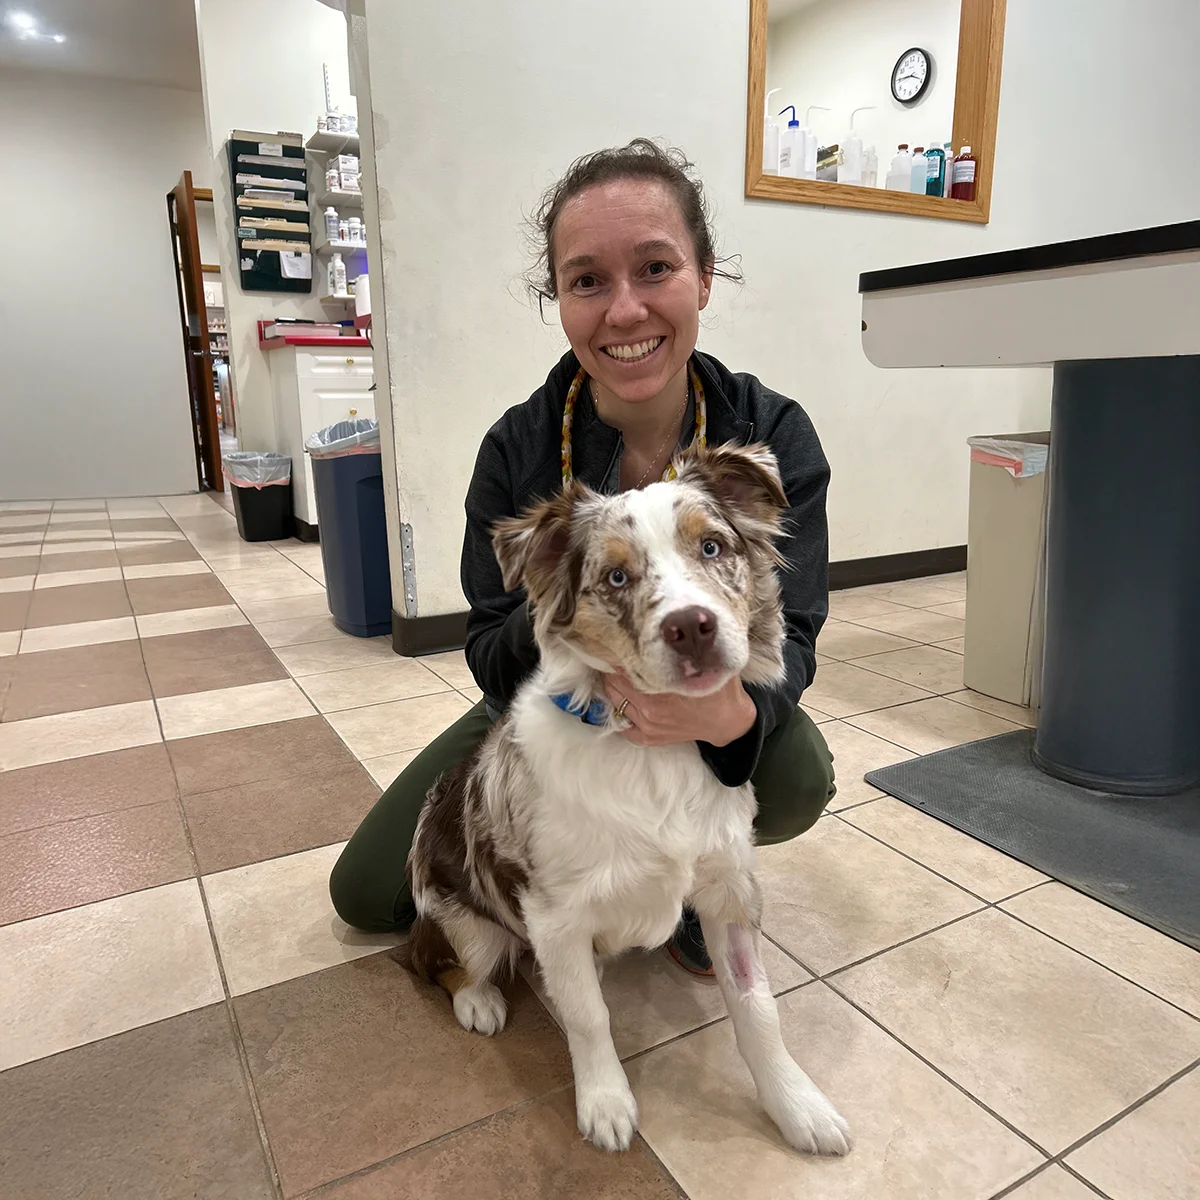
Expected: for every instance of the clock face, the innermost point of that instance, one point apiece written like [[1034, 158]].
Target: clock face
[[910, 75]]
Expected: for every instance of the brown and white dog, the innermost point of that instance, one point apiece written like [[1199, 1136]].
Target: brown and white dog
[[559, 835]]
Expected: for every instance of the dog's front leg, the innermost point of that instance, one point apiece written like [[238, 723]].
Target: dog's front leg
[[604, 1105], [728, 910]]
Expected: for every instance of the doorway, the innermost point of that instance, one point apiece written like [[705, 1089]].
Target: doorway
[[205, 345]]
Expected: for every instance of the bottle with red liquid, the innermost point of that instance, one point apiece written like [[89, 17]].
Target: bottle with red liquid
[[962, 186]]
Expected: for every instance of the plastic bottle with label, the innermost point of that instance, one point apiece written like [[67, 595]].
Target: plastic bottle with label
[[963, 187], [337, 276], [935, 170], [331, 224], [791, 146]]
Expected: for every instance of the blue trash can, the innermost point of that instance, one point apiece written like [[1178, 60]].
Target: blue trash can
[[347, 472]]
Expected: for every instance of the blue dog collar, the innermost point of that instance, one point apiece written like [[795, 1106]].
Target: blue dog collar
[[596, 713]]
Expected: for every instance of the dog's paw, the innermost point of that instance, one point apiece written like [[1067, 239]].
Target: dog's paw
[[807, 1120], [480, 1007], [607, 1115]]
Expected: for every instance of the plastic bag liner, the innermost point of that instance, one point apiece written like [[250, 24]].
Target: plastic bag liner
[[249, 468], [357, 436], [1020, 457]]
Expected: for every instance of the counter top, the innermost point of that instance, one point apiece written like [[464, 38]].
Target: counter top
[[299, 338], [1124, 295], [1110, 247]]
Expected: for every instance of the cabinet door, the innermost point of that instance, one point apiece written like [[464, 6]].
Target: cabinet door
[[325, 402], [329, 365]]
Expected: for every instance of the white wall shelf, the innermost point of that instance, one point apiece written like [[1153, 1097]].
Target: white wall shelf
[[337, 196], [332, 143], [323, 245]]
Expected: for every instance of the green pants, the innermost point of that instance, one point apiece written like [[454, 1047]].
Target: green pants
[[793, 783]]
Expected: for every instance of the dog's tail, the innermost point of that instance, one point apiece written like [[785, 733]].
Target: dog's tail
[[428, 953]]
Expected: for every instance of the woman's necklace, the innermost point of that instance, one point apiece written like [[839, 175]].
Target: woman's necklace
[[673, 428], [699, 430]]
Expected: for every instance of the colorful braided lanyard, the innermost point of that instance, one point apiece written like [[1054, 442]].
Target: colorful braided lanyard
[[699, 432]]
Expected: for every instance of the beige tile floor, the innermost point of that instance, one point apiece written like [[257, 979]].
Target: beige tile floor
[[186, 741]]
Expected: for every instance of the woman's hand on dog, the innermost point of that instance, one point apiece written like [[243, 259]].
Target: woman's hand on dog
[[664, 719]]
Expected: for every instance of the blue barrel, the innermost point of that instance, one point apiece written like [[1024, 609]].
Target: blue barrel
[[354, 544]]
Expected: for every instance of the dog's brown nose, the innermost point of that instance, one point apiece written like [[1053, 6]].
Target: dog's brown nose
[[690, 632]]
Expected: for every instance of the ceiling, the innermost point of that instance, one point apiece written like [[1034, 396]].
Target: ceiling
[[142, 41]]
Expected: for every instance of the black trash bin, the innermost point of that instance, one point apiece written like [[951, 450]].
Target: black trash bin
[[347, 472], [261, 484]]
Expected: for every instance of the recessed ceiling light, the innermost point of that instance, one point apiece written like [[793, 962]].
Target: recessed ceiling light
[[25, 27]]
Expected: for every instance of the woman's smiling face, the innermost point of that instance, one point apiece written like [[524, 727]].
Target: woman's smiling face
[[630, 289]]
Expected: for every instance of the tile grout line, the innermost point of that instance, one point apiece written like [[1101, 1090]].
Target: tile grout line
[[1070, 1170], [829, 977], [228, 1005], [1059, 1159], [997, 904], [962, 887], [669, 1179], [1076, 950], [295, 679], [874, 1021], [937, 1070], [371, 1168], [1106, 1125], [1048, 1165]]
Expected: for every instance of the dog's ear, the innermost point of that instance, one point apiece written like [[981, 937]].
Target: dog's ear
[[534, 551], [743, 478]]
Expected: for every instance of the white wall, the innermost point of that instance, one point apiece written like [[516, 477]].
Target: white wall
[[556, 78], [261, 68], [90, 343], [840, 54]]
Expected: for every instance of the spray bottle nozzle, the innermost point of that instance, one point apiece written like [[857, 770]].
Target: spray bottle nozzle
[[793, 123], [854, 113]]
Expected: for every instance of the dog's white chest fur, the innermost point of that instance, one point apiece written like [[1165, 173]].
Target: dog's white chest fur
[[619, 828]]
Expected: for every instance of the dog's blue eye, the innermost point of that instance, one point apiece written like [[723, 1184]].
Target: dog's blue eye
[[710, 548], [617, 578]]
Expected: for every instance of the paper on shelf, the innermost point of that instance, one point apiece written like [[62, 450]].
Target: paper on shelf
[[295, 266]]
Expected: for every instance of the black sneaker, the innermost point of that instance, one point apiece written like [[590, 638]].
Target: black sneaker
[[687, 946]]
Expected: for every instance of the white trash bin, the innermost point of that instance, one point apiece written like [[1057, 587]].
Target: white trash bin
[[1006, 555]]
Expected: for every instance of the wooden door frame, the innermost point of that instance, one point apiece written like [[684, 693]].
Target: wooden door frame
[[202, 408], [976, 108]]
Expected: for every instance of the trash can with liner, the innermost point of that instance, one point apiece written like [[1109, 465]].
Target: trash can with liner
[[347, 468], [262, 494]]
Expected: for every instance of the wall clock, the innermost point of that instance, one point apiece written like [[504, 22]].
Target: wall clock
[[912, 75]]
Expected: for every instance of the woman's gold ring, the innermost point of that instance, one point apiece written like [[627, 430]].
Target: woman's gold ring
[[622, 707]]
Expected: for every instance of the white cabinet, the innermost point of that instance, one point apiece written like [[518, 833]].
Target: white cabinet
[[312, 387]]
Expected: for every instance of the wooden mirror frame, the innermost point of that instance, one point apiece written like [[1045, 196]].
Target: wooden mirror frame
[[976, 106]]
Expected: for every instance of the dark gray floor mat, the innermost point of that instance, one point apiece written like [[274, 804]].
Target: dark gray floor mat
[[1140, 854]]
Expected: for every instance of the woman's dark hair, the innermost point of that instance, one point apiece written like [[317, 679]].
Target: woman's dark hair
[[640, 159]]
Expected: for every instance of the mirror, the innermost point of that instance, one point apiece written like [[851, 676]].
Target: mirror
[[868, 104]]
